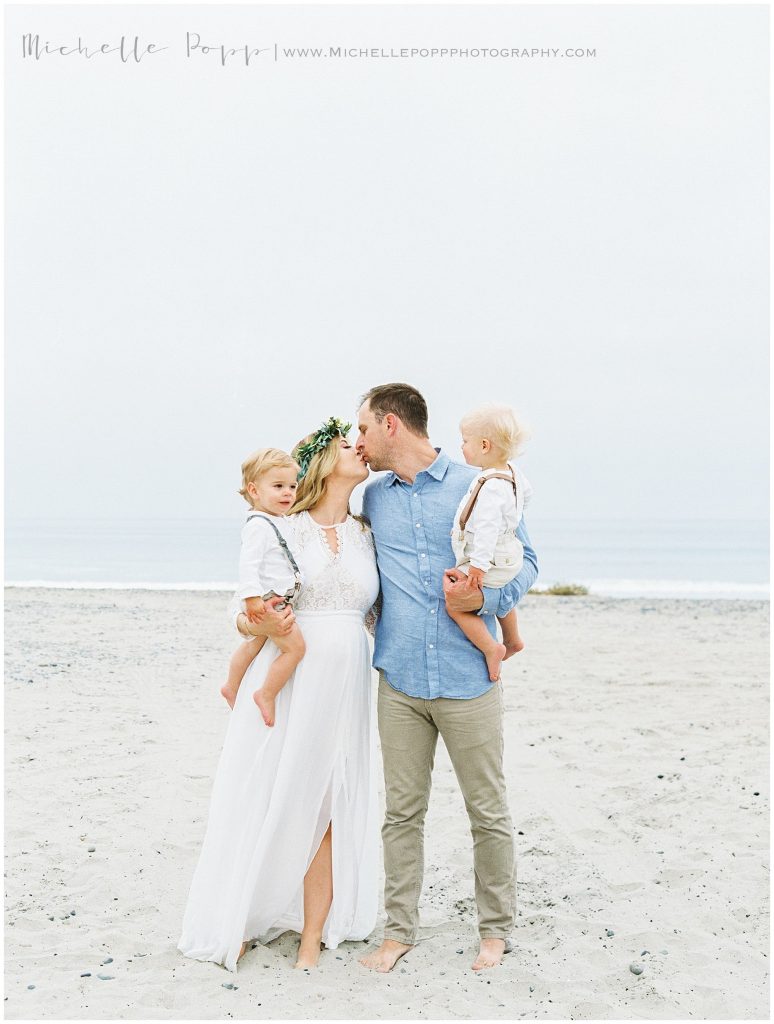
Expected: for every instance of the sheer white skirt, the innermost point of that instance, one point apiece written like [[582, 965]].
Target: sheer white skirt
[[277, 789]]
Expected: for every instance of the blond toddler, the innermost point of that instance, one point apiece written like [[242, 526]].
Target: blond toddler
[[268, 574], [484, 540]]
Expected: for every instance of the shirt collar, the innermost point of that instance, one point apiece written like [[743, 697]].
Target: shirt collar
[[436, 469]]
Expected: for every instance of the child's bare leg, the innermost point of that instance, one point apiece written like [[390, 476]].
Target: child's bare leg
[[292, 649], [474, 628], [509, 624], [240, 661]]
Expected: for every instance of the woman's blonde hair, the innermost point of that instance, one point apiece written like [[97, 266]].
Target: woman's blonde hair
[[312, 486], [260, 462], [499, 425]]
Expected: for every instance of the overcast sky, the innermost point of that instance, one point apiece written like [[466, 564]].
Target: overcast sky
[[203, 260]]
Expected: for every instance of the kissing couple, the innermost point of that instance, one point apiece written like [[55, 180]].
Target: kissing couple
[[292, 836]]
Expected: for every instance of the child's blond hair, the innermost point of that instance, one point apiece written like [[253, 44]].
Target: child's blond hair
[[260, 462], [499, 425]]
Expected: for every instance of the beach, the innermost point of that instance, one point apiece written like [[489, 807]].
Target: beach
[[637, 768]]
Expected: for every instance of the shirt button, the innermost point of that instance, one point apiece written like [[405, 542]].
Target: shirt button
[[432, 611], [418, 525], [423, 555], [431, 647]]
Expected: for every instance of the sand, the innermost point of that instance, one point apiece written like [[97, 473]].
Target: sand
[[637, 765]]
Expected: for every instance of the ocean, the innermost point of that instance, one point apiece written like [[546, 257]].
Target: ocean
[[616, 558]]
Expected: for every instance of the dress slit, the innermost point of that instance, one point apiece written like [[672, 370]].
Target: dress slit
[[277, 790]]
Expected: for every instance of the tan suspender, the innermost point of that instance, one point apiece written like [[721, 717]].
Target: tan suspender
[[476, 491]]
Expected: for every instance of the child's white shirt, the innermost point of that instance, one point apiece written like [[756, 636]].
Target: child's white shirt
[[494, 515], [263, 565]]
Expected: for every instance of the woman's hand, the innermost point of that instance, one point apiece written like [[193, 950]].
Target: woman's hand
[[255, 609], [460, 597], [271, 621]]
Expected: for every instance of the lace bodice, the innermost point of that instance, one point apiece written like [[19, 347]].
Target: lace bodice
[[343, 581]]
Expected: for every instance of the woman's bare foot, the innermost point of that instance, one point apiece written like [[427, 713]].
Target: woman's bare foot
[[265, 706], [309, 951], [242, 951], [230, 694], [490, 954], [383, 959], [513, 648], [494, 659]]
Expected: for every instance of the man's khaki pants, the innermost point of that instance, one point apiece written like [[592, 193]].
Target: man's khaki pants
[[473, 733]]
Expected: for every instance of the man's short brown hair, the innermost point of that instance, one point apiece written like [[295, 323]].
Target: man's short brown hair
[[402, 401]]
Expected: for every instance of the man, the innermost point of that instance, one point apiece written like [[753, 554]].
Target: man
[[431, 678]]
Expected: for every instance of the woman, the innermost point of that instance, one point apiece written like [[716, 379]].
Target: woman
[[292, 837]]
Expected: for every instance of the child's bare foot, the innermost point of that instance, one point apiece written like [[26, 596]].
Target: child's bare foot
[[309, 951], [513, 648], [230, 693], [494, 659], [265, 706]]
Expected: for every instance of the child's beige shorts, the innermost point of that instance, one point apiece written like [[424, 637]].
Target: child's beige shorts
[[508, 560]]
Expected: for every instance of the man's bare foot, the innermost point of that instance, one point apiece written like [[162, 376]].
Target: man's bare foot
[[308, 951], [513, 648], [230, 694], [494, 659], [265, 706], [383, 959], [490, 954]]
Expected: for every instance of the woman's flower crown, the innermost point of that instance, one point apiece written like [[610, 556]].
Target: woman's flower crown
[[331, 429]]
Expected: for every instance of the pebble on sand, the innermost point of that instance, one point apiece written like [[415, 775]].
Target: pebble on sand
[[636, 968], [86, 974], [30, 986], [610, 933], [91, 849], [228, 984], [108, 960], [106, 977]]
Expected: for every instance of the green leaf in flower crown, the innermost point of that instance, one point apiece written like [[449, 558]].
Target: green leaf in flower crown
[[332, 428]]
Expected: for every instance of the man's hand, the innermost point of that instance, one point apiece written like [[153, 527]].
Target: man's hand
[[460, 597]]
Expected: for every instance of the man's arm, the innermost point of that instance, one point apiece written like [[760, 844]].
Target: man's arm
[[496, 601], [500, 601]]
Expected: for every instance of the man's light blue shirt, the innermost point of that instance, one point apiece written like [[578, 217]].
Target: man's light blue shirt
[[422, 652]]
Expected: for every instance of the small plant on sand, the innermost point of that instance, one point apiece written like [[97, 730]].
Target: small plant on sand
[[562, 590]]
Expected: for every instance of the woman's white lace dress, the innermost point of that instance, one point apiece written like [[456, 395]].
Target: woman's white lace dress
[[277, 789]]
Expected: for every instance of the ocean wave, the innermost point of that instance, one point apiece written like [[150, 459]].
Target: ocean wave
[[114, 585], [679, 589], [624, 588]]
